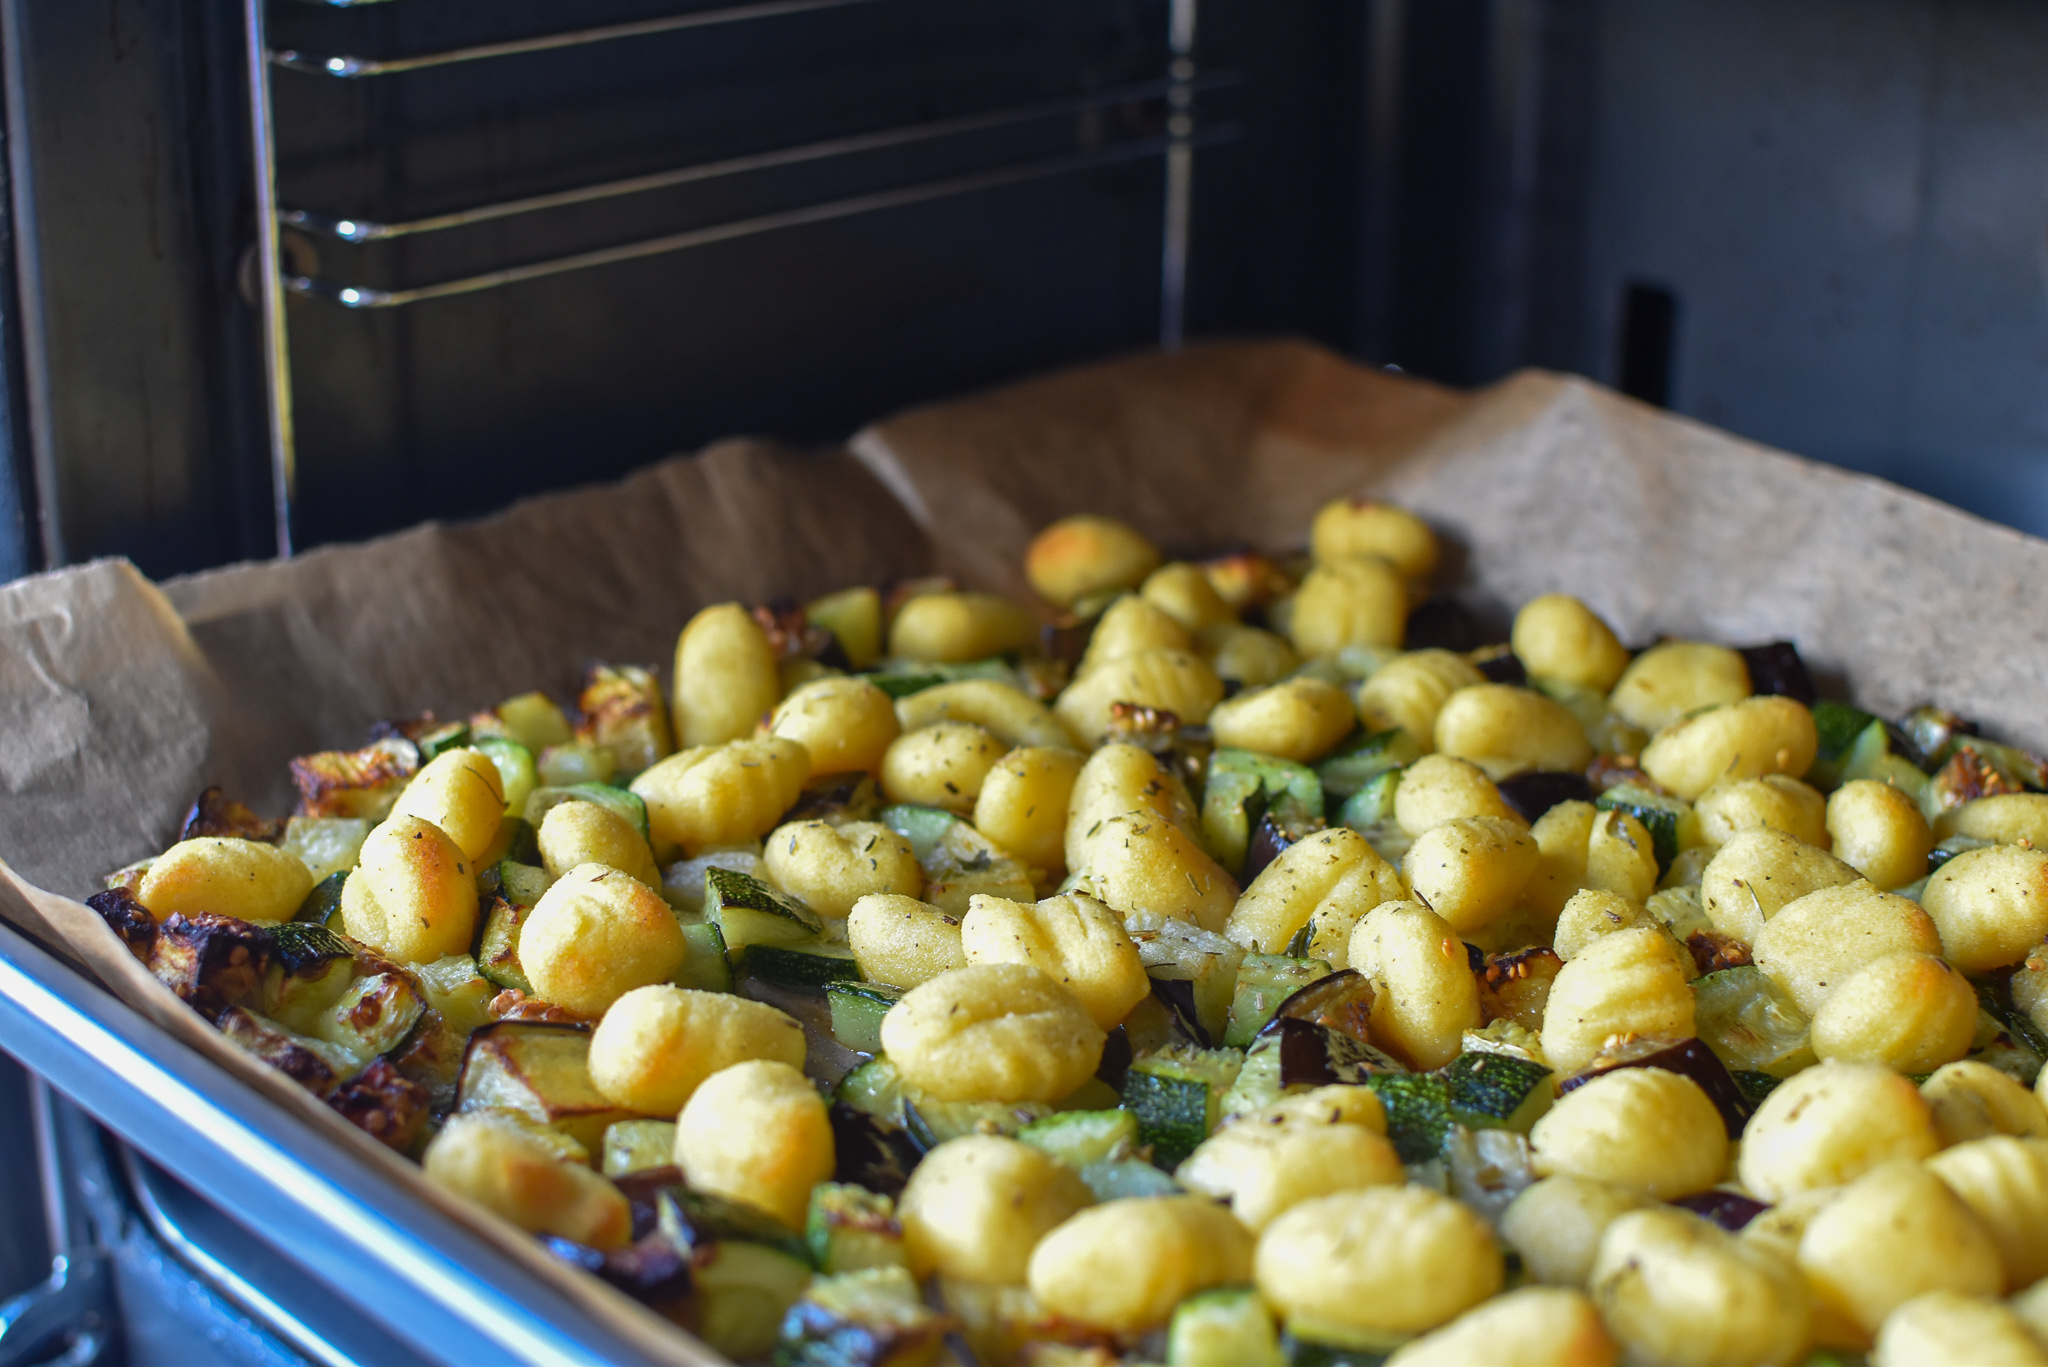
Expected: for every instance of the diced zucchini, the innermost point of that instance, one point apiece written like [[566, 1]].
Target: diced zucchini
[[748, 912], [1837, 726], [328, 844], [1177, 1096], [854, 617], [2016, 766], [574, 765], [1257, 1084], [930, 1122], [373, 1016], [857, 1011], [705, 966], [541, 1072], [627, 804], [742, 1292], [302, 946], [455, 988], [868, 1318], [1488, 1169], [361, 783], [1750, 1022], [1113, 1179], [903, 685], [1363, 758], [1177, 951], [1755, 1086], [523, 884], [802, 965], [1950, 848], [876, 1089], [1227, 1327], [682, 883], [958, 860], [1370, 812], [516, 841], [849, 1228], [1078, 1138], [516, 770], [314, 1064], [535, 721], [1243, 786], [1418, 1109], [497, 948], [637, 1145], [1092, 1095], [1495, 1091], [1871, 757], [452, 736], [298, 1000], [1263, 982], [624, 713], [1671, 821], [697, 1219]]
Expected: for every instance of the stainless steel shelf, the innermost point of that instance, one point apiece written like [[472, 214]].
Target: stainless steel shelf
[[350, 68]]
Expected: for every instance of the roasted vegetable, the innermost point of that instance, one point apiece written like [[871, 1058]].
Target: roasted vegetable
[[1264, 981], [623, 711], [359, 783], [868, 1318], [857, 1011], [850, 1228], [1494, 1091], [541, 1072], [1688, 1058], [214, 813], [1177, 1096]]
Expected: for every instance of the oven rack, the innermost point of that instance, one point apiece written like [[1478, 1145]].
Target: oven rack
[[1177, 87]]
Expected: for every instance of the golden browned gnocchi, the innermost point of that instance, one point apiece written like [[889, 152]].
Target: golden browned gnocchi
[[1813, 944], [1668, 681], [1425, 998], [1349, 528], [757, 1133], [2006, 818], [1737, 740], [993, 1032], [843, 724], [1558, 637], [1897, 1232], [1775, 802], [460, 791], [1533, 1326], [1635, 1127], [1300, 719], [941, 765], [1629, 983], [413, 894], [1911, 1012], [1756, 873], [595, 936], [1246, 656], [951, 627], [1948, 1329], [575, 833], [1007, 713], [1388, 1258], [723, 794], [1675, 1289], [1123, 1265], [1409, 690], [1184, 593], [1556, 1224], [1829, 1125], [1117, 779], [1023, 804], [1505, 729], [1139, 862], [231, 877], [832, 867], [1973, 1100], [1330, 867], [1176, 681], [1440, 788], [1878, 830], [1990, 906], [1359, 602], [657, 1044], [1085, 554], [726, 679], [2004, 1182], [1072, 938], [1470, 869], [977, 1206], [901, 941]]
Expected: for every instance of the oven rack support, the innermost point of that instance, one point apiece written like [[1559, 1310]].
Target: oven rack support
[[1176, 146]]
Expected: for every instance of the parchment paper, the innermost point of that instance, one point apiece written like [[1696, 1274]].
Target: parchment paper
[[120, 700]]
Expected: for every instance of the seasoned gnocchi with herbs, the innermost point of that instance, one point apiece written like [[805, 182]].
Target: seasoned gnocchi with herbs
[[1248, 961]]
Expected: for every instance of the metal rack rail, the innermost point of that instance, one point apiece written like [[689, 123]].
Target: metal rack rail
[[1177, 88]]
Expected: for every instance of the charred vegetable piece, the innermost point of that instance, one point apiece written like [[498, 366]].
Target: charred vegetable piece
[[1228, 1327], [1671, 822], [314, 1064], [541, 1072], [1500, 665], [1536, 792], [1488, 1091], [299, 947], [431, 1058], [455, 988], [1277, 828], [497, 949], [1177, 1096], [373, 1016], [696, 1219], [748, 912], [1079, 1138], [1728, 1209], [1966, 776], [1264, 981], [322, 906], [1418, 1107], [638, 1146], [384, 1104], [1314, 1055], [1439, 622], [1242, 788], [1159, 1022], [837, 798], [849, 1228], [1930, 731], [1341, 1001], [651, 1270], [1775, 667], [1751, 1023], [215, 813], [1516, 986], [1688, 1058], [360, 783], [869, 1318], [857, 1011], [870, 1153], [211, 962], [930, 1122], [1755, 1086], [1995, 999], [1178, 952], [623, 711]]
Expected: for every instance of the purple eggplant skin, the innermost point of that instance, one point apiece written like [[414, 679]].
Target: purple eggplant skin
[[650, 1270], [1688, 1058], [1775, 667], [1316, 1056], [1178, 997], [1507, 668], [1442, 622], [868, 1152], [1536, 792], [640, 1188], [1270, 837], [1341, 1002], [1730, 1210]]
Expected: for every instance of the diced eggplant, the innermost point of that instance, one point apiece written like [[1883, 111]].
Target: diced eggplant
[[638, 1146], [1495, 1091], [1277, 828], [215, 813], [1994, 997], [1363, 758], [748, 912], [1314, 1055], [650, 1270], [1441, 622], [1516, 986], [1180, 952], [1671, 821], [1537, 791], [930, 1122], [1688, 1058], [1751, 1023], [211, 962], [431, 1058], [1177, 998], [384, 1104], [314, 1064], [1341, 1001], [849, 1228], [1500, 664], [123, 913], [1078, 1138], [868, 1318], [1775, 668], [958, 860], [1227, 1327], [837, 799], [1927, 733], [623, 711], [869, 1152], [1116, 1058], [1964, 777], [642, 1190], [1264, 981], [1155, 1024], [361, 783], [1177, 1096], [1418, 1107], [1731, 1210], [857, 1011], [1713, 951], [541, 1072]]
